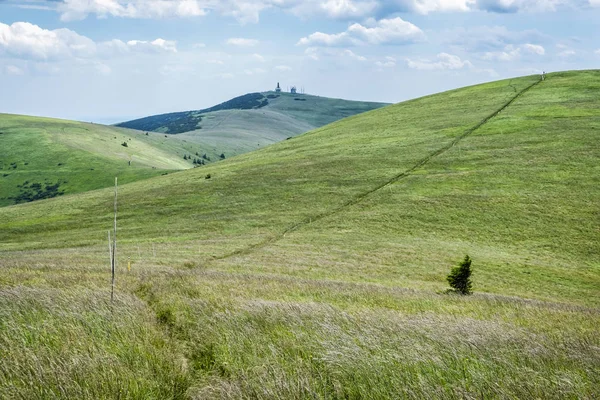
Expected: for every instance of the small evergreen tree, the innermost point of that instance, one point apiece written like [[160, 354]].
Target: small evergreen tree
[[222, 156], [459, 277], [185, 156]]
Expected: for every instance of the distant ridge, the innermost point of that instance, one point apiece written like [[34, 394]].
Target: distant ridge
[[186, 121]]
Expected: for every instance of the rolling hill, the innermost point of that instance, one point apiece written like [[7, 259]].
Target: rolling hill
[[45, 157], [256, 119], [315, 268]]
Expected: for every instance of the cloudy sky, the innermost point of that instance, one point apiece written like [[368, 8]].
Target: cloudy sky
[[112, 60]]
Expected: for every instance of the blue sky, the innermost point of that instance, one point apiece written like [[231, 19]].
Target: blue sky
[[112, 60]]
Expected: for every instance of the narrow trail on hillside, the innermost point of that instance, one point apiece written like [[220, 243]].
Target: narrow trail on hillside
[[361, 196]]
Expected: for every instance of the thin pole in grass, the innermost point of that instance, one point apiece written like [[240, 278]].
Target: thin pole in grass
[[113, 250], [112, 266]]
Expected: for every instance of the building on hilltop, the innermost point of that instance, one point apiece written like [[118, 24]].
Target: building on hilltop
[[293, 90], [278, 88]]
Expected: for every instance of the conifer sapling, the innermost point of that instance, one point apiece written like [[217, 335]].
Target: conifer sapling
[[459, 277]]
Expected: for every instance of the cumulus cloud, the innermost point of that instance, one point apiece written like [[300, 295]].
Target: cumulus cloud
[[258, 58], [443, 61], [249, 11], [511, 52], [158, 45], [351, 54], [254, 71], [316, 53], [385, 31], [27, 41], [567, 53], [388, 62], [13, 70], [512, 6], [282, 68], [80, 9], [242, 42], [490, 38], [534, 49]]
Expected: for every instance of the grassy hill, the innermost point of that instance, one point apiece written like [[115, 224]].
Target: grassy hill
[[316, 267], [44, 157], [248, 122]]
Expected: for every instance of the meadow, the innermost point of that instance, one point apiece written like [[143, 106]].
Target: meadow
[[315, 267]]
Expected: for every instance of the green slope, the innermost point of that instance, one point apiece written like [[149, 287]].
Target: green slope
[[79, 157], [314, 267], [248, 122]]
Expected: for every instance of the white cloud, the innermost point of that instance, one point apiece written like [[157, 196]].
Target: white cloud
[[385, 31], [444, 61], [351, 54], [225, 75], [218, 62], [511, 6], [242, 42], [13, 70], [511, 52], [428, 6], [258, 57], [158, 45], [282, 68], [199, 45], [248, 11], [25, 40], [567, 53], [389, 62], [597, 51], [534, 49], [80, 9], [103, 69], [254, 71], [490, 38], [338, 9]]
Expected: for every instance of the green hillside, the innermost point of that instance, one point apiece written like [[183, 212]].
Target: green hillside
[[256, 119], [44, 157], [315, 268]]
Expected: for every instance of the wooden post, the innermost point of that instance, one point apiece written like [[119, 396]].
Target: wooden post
[[114, 248], [112, 268]]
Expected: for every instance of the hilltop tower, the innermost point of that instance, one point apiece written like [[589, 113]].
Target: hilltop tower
[[278, 88]]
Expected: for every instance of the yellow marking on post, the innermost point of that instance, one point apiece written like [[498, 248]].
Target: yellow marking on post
[[128, 265]]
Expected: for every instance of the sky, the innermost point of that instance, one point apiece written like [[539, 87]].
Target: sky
[[109, 61]]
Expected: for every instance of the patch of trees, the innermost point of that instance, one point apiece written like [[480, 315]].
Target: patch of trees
[[299, 99], [124, 144], [246, 102], [174, 123], [37, 191], [186, 121], [222, 156]]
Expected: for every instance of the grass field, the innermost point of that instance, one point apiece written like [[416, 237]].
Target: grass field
[[82, 157], [315, 267]]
